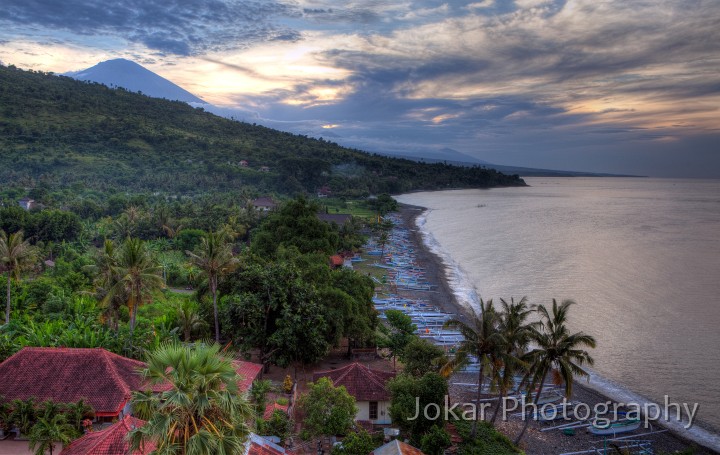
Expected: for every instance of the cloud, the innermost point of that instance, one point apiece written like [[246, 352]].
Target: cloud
[[180, 27]]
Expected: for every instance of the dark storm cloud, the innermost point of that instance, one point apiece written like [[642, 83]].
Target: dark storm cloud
[[181, 27]]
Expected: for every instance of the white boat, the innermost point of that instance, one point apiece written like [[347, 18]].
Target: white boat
[[601, 426]]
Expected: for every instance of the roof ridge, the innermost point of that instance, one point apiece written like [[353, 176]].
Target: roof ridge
[[114, 372]]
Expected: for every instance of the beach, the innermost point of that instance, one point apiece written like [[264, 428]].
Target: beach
[[536, 441]]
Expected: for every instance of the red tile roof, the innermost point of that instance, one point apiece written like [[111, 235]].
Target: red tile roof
[[65, 375], [257, 445], [360, 381], [272, 407], [110, 441], [248, 372], [396, 447]]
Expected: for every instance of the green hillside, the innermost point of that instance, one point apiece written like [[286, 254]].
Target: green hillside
[[60, 133]]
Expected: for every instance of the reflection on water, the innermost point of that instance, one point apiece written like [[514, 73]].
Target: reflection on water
[[640, 256]]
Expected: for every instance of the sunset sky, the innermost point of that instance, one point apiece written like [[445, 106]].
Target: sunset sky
[[610, 86]]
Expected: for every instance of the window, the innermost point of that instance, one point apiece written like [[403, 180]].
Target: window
[[373, 410]]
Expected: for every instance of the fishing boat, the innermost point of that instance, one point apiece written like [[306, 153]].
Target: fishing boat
[[600, 426]]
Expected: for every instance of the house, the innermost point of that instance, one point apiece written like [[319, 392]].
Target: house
[[244, 163], [324, 191], [396, 447], [368, 386], [264, 204], [336, 261], [26, 203], [66, 375], [110, 441], [272, 407], [264, 169], [248, 372], [337, 218], [257, 445]]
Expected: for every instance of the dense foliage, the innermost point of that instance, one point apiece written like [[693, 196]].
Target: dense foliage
[[57, 133]]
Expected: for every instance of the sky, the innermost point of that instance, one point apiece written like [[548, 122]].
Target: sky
[[621, 86]]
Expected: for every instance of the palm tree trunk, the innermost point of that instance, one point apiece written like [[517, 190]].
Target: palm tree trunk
[[501, 396], [213, 289], [477, 400], [535, 401], [7, 303]]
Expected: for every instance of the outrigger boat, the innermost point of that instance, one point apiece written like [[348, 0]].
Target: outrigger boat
[[601, 426]]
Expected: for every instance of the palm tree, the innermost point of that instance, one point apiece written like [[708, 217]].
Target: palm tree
[[16, 255], [48, 430], [215, 258], [517, 334], [481, 339], [201, 412], [106, 278], [137, 274], [189, 319], [558, 351]]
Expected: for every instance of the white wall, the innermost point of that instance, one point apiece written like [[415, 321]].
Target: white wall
[[383, 412]]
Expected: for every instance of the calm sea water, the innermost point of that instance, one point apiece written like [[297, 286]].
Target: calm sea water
[[640, 256]]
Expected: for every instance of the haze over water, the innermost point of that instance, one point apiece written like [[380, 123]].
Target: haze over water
[[640, 256]]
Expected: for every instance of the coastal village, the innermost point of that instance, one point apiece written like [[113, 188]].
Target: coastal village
[[357, 399]]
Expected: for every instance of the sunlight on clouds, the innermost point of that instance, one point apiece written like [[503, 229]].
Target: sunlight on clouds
[[331, 126]]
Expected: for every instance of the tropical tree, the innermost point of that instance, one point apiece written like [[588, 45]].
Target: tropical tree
[[106, 277], [517, 333], [49, 429], [188, 318], [137, 274], [558, 351], [201, 412], [16, 255], [481, 339], [329, 410], [398, 332], [215, 258]]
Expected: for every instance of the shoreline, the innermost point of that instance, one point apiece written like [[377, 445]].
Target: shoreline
[[535, 442]]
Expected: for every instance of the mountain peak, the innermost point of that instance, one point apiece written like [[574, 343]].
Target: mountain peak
[[132, 76]]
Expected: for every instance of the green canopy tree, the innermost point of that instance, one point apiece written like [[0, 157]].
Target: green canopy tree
[[407, 393], [329, 410], [398, 332], [16, 255], [421, 356], [201, 413]]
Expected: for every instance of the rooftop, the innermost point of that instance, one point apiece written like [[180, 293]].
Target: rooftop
[[363, 383]]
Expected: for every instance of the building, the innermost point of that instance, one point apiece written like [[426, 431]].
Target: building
[[324, 191], [368, 386], [396, 447], [26, 203], [264, 169], [248, 372], [244, 163], [257, 445], [264, 204], [110, 441], [66, 375]]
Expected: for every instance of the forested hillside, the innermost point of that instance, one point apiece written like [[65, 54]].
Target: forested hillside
[[59, 133]]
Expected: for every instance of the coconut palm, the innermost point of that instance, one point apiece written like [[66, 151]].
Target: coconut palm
[[215, 258], [106, 278], [481, 339], [558, 351], [188, 318], [517, 333], [200, 412], [137, 274], [48, 430], [16, 255]]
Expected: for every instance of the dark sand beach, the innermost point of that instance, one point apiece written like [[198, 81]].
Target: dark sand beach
[[535, 440]]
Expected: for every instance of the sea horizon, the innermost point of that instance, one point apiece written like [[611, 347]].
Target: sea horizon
[[440, 225]]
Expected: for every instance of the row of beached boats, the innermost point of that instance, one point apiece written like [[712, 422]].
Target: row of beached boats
[[398, 258]]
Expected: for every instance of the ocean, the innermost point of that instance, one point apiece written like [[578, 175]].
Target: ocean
[[640, 256]]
